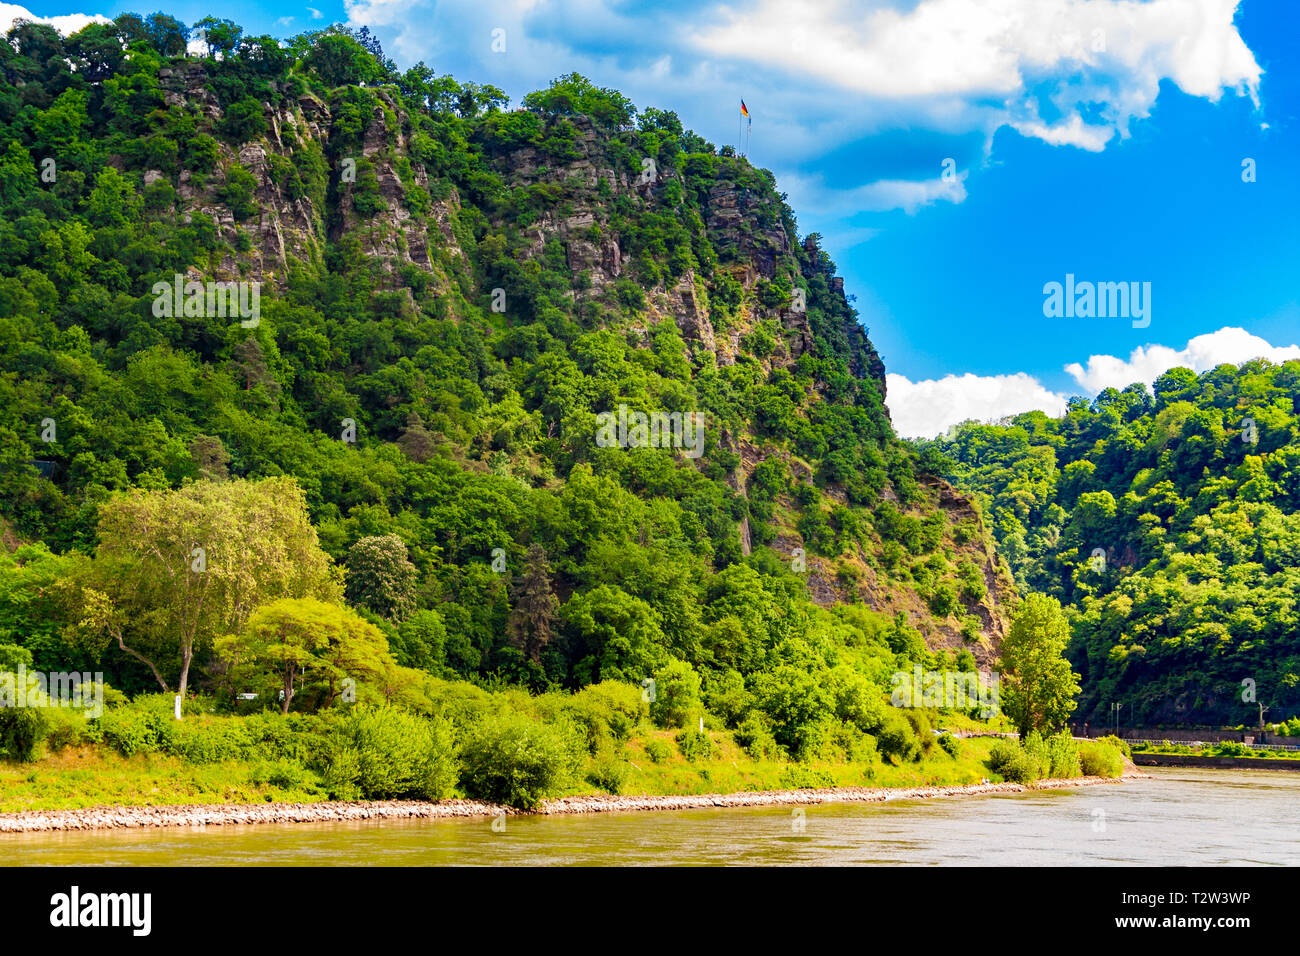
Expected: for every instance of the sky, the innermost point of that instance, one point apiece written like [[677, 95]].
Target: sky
[[957, 157]]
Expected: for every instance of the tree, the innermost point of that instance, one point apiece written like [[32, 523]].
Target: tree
[[221, 36], [340, 60], [166, 34], [176, 569], [379, 576], [1038, 684], [535, 605], [296, 640], [677, 694]]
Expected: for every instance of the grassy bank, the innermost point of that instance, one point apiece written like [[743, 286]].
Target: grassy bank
[[89, 776], [502, 746], [1227, 748]]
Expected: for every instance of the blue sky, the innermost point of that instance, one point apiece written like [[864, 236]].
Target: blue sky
[[1101, 138]]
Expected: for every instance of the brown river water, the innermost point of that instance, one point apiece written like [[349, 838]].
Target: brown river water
[[1180, 817]]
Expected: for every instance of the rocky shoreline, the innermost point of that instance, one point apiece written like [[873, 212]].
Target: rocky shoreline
[[116, 818]]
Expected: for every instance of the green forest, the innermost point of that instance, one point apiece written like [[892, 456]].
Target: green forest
[[385, 486], [1166, 521]]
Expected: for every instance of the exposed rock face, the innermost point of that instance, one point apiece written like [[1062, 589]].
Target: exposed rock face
[[409, 230], [740, 220], [289, 227]]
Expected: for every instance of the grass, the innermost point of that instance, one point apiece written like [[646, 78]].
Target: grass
[[88, 776], [731, 770]]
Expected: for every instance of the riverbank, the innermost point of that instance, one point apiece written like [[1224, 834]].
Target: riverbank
[[116, 818], [1155, 759]]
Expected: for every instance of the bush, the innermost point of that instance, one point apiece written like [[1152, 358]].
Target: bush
[[677, 695], [619, 703], [1097, 759], [1036, 747], [802, 777], [853, 745], [295, 737], [754, 735], [921, 726], [694, 745], [22, 729], [129, 730], [67, 727], [607, 712], [209, 740], [897, 741], [609, 773], [1121, 745], [658, 750], [382, 753], [1013, 762], [1063, 756], [282, 774], [512, 759], [950, 745]]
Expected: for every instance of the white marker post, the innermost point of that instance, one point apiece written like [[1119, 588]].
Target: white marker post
[[177, 704]]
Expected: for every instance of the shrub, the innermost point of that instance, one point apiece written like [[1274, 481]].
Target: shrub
[[1231, 748], [897, 740], [1013, 762], [1063, 756], [512, 759], [609, 773], [282, 774], [1121, 745], [296, 737], [1036, 748], [694, 745], [22, 729], [677, 694], [658, 750], [950, 745], [386, 753], [921, 725], [67, 727], [1097, 759], [754, 735], [129, 730], [802, 777], [620, 703], [205, 741]]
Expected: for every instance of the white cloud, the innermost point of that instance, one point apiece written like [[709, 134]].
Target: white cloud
[[1105, 56], [1072, 132], [810, 195], [1147, 363], [283, 21], [930, 407], [315, 14], [66, 24]]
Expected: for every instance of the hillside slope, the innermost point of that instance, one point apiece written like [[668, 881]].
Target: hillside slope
[[1168, 521], [451, 295]]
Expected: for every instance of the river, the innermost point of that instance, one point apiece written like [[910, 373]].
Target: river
[[1177, 817]]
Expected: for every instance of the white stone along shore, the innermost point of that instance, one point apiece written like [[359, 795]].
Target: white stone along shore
[[114, 818]]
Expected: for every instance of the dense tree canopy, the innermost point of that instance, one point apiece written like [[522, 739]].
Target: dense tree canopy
[[1168, 522]]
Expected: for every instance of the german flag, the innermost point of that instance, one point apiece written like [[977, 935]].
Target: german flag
[[744, 110]]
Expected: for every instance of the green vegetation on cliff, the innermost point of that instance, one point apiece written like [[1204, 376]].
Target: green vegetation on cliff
[[379, 473]]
